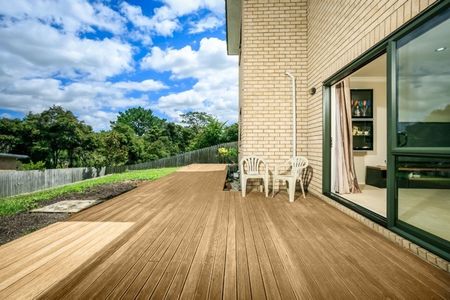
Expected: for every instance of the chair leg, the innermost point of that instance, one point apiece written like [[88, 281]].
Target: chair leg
[[301, 186], [243, 186], [266, 186], [291, 190]]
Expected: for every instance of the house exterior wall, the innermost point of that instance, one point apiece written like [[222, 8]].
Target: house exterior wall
[[313, 39], [339, 32], [7, 163], [274, 40]]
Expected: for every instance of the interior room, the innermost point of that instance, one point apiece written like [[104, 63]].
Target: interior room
[[422, 183], [369, 132]]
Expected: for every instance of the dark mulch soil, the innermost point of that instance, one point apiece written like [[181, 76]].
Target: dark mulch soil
[[15, 226]]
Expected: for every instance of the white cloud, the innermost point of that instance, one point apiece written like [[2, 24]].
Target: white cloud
[[216, 90], [165, 19], [184, 7], [30, 48], [164, 22], [72, 16], [85, 99], [48, 57], [143, 86], [207, 23], [101, 118]]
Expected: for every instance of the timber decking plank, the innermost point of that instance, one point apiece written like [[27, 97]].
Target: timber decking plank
[[176, 287], [172, 268], [230, 274], [268, 277], [218, 272], [193, 276], [243, 276], [146, 281], [280, 273], [44, 277], [123, 263], [30, 282], [204, 281], [254, 269], [186, 238]]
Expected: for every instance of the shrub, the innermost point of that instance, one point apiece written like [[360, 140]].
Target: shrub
[[227, 155], [39, 165]]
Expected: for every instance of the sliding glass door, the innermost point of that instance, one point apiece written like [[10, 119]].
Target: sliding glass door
[[417, 172], [421, 147]]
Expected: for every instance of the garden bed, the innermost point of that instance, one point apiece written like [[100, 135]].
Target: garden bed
[[16, 219], [17, 225]]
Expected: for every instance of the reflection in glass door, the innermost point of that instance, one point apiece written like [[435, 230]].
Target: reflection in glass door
[[422, 150]]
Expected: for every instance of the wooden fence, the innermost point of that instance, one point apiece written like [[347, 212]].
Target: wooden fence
[[19, 182], [205, 155]]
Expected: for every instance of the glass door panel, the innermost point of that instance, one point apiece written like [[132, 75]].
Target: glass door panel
[[423, 193], [422, 178], [423, 85]]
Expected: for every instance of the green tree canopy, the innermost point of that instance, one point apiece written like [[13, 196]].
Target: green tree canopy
[[139, 119], [56, 130], [56, 138], [196, 120]]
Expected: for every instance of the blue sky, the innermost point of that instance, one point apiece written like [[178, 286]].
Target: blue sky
[[97, 58]]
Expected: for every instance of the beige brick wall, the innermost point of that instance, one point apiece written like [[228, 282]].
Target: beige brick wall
[[313, 39], [274, 39], [338, 32]]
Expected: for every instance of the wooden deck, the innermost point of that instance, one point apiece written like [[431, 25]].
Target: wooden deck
[[182, 236]]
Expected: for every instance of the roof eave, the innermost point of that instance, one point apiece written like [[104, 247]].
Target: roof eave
[[233, 17], [16, 156]]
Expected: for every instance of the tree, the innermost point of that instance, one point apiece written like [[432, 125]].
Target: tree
[[57, 138], [11, 136], [56, 131], [210, 135], [126, 145], [231, 133], [139, 119], [112, 147], [196, 120]]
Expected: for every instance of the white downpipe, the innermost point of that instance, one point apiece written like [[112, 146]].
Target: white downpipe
[[294, 115]]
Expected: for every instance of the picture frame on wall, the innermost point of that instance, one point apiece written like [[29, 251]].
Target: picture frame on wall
[[362, 103]]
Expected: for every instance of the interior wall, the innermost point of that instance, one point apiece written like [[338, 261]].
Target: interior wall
[[379, 153]]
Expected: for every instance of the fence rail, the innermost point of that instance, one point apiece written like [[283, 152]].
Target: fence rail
[[18, 182]]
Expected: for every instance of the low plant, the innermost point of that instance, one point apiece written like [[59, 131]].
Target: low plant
[[228, 155], [39, 165]]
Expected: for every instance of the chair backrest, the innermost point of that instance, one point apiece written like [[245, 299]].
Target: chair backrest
[[298, 164], [252, 163]]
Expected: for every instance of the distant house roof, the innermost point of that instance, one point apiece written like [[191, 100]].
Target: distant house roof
[[10, 155]]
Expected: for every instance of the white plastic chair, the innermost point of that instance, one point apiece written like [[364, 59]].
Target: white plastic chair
[[294, 172], [250, 168]]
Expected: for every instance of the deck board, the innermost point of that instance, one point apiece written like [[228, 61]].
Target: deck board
[[182, 236]]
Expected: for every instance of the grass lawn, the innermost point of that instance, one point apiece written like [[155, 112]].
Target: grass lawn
[[16, 204]]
